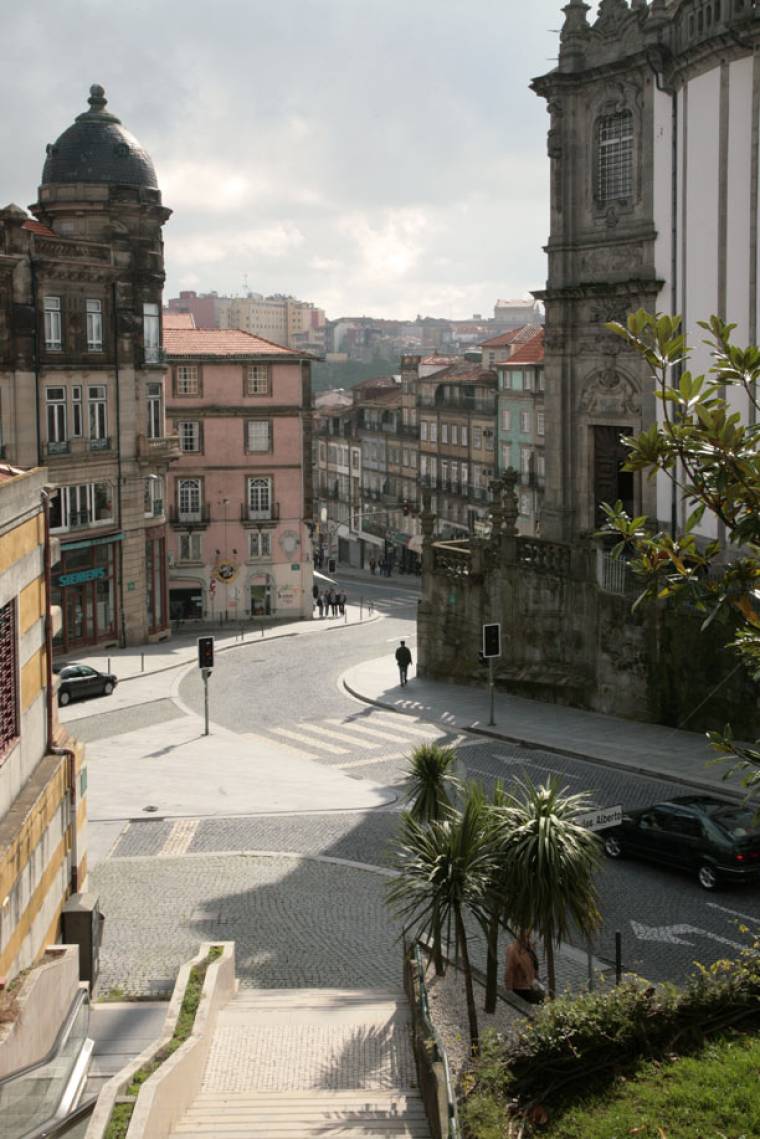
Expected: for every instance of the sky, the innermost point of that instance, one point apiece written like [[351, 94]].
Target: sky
[[378, 157]]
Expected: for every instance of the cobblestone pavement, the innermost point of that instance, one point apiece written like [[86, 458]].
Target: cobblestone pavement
[[296, 923], [103, 725]]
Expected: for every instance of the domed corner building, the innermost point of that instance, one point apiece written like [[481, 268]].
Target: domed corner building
[[82, 375]]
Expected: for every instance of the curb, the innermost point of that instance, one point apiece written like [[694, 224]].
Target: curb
[[617, 765]]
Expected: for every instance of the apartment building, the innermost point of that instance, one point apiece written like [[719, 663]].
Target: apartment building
[[283, 319], [240, 493], [81, 375], [42, 778], [520, 427]]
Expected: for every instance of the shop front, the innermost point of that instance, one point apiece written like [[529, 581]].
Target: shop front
[[85, 588], [261, 595]]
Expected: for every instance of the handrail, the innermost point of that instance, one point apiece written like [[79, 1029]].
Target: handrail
[[58, 1127], [453, 1131], [81, 998]]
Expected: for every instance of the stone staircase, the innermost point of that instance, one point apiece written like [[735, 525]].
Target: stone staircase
[[301, 1063]]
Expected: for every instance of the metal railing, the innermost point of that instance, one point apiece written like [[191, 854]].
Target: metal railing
[[103, 444], [199, 517], [431, 1053]]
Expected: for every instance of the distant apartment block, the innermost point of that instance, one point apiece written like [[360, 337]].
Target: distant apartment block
[[285, 320], [521, 429]]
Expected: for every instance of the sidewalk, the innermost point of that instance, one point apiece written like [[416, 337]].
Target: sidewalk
[[647, 749], [181, 648]]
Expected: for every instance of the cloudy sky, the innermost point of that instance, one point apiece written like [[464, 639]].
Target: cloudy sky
[[374, 156]]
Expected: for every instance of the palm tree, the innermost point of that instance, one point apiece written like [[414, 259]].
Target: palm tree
[[431, 788], [552, 861], [445, 869], [498, 893]]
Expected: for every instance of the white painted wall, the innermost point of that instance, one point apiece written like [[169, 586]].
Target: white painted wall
[[738, 216], [701, 221]]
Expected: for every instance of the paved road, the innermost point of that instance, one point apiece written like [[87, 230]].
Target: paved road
[[288, 691]]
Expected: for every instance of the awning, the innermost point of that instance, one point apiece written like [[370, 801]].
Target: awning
[[90, 542], [323, 577]]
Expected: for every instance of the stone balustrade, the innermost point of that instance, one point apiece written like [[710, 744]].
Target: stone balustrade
[[543, 556]]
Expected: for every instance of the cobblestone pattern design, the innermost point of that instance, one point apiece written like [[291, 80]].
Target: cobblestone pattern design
[[311, 1056], [142, 838], [355, 836], [105, 725], [296, 924]]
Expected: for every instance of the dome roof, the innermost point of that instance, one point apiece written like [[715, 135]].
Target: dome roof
[[97, 148]]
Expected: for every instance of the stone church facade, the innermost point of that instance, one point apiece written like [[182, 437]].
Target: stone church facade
[[653, 143]]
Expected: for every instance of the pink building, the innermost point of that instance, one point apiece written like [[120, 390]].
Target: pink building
[[240, 492]]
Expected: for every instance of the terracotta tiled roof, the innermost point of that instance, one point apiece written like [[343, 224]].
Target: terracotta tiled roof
[[38, 228], [375, 382], [514, 336], [462, 374], [531, 352], [222, 342], [175, 320]]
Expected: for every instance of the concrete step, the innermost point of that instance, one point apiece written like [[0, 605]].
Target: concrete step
[[297, 998], [301, 1115]]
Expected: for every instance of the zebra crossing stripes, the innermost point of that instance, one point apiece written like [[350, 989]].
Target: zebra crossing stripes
[[362, 729], [341, 736], [304, 739]]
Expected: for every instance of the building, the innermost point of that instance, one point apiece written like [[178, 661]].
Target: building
[[456, 415], [520, 427], [499, 348], [42, 777], [654, 204], [241, 491], [81, 375], [286, 320], [516, 314]]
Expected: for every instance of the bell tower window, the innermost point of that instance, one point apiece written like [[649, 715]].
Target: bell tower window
[[615, 157]]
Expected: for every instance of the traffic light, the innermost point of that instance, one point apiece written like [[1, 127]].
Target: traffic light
[[491, 641], [205, 652]]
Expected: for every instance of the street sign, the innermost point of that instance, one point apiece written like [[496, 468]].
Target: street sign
[[491, 641], [600, 819]]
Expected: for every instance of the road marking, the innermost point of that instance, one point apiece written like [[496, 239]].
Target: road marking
[[310, 741], [340, 736], [365, 762], [363, 730], [179, 838], [400, 724], [668, 934], [736, 913]]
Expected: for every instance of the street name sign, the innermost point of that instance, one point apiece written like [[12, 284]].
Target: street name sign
[[600, 819]]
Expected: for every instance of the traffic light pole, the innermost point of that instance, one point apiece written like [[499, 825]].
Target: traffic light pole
[[492, 721], [205, 673]]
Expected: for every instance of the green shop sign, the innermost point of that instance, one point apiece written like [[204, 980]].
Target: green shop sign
[[82, 575]]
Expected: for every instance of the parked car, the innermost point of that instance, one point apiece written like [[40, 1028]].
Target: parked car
[[716, 840], [79, 680]]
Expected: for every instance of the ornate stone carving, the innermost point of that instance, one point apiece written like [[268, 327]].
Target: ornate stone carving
[[610, 391], [72, 250], [611, 260]]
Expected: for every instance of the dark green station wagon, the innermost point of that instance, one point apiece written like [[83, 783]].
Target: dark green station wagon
[[716, 840]]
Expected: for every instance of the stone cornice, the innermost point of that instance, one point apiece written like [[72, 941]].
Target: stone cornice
[[589, 289]]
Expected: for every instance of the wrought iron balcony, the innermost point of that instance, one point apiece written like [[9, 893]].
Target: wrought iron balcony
[[252, 516], [99, 444], [58, 447], [183, 519]]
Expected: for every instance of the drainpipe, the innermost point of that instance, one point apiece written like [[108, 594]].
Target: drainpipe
[[36, 362], [119, 496], [52, 748]]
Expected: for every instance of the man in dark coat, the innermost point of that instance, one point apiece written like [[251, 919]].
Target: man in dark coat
[[403, 660]]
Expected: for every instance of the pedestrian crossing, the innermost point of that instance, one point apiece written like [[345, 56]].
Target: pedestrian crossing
[[365, 738]]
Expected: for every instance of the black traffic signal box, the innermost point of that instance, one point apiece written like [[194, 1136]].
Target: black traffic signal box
[[491, 641], [205, 652]]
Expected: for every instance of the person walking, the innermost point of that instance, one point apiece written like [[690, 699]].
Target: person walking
[[521, 972], [342, 604], [372, 566], [403, 660], [320, 603]]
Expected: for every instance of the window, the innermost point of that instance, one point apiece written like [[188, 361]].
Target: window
[[259, 498], [615, 156], [489, 439], [477, 438], [52, 311], [463, 476], [257, 379], [525, 504], [423, 429], [56, 419], [190, 548], [154, 496], [539, 422], [189, 431], [540, 464], [189, 500], [506, 456], [81, 505], [528, 380], [258, 435], [186, 382], [77, 422], [444, 432], [463, 435], [9, 725], [96, 408], [261, 544], [151, 335], [506, 420], [526, 460], [433, 432], [102, 499], [455, 434], [445, 473], [94, 326], [525, 422], [155, 415], [355, 460]]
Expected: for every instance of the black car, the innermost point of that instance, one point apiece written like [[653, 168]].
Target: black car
[[79, 680], [716, 840]]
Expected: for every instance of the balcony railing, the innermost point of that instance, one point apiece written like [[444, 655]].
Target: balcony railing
[[58, 447], [153, 356], [190, 519], [99, 444], [161, 448], [459, 403], [250, 514]]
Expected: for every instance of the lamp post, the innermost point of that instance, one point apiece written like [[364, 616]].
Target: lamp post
[[225, 501]]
